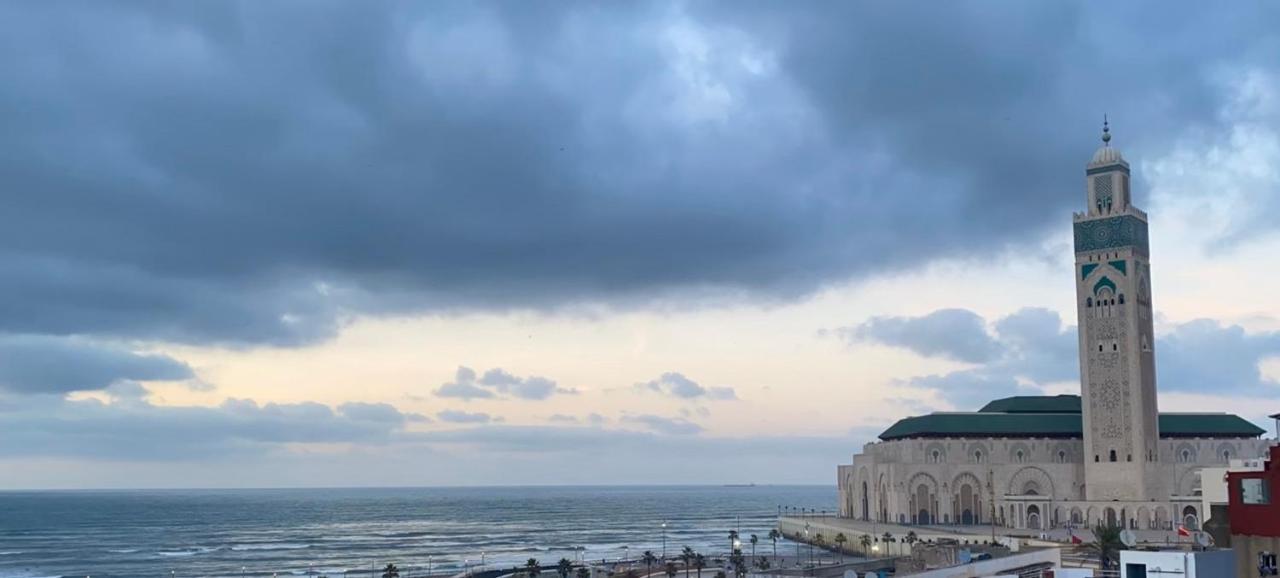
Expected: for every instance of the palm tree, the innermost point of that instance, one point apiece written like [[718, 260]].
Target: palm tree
[[865, 540], [840, 541], [774, 534], [564, 567], [1107, 545], [687, 555], [733, 537], [649, 559], [531, 568], [739, 565], [699, 562], [754, 540], [911, 538], [886, 538], [821, 542], [671, 570], [391, 571]]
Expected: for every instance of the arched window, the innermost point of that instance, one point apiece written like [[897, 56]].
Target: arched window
[[1115, 347], [1088, 301], [1122, 298], [1062, 457], [1099, 347], [1095, 458], [977, 456], [1185, 457], [1128, 457], [1226, 455], [1113, 455], [1018, 457], [937, 457]]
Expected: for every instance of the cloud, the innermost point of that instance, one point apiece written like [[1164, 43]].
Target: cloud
[[665, 425], [463, 161], [455, 416], [130, 428], [677, 385], [498, 383], [32, 364], [1205, 355], [957, 334], [1037, 349]]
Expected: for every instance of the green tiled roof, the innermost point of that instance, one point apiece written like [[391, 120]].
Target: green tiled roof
[[1034, 404], [1055, 417]]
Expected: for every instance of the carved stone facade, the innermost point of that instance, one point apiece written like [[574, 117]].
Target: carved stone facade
[[1041, 462]]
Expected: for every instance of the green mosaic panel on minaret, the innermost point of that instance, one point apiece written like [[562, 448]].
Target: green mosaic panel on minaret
[[1111, 233]]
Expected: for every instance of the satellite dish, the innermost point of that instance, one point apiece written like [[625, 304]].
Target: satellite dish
[[1203, 539], [1129, 538]]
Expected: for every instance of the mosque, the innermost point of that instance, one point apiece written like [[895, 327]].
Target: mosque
[[1037, 462]]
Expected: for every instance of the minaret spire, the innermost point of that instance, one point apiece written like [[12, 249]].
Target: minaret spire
[[1106, 131]]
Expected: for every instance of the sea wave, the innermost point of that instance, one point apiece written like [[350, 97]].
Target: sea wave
[[279, 546], [184, 553]]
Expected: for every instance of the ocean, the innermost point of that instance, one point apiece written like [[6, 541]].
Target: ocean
[[216, 533]]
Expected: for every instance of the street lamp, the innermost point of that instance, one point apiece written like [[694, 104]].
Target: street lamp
[[428, 565], [664, 540]]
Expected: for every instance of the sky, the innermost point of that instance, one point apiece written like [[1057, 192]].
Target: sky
[[280, 244]]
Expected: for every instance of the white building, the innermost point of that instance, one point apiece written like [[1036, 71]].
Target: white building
[[1202, 564], [1038, 462]]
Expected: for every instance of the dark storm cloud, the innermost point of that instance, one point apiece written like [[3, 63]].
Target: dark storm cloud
[[249, 172], [56, 365], [1036, 348]]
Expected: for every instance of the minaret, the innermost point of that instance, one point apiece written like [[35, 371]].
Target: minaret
[[1117, 361]]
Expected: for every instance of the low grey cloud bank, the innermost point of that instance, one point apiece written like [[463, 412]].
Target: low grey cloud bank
[[1033, 347], [32, 364], [130, 428]]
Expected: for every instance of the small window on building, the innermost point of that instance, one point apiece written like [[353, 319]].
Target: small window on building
[[1088, 302], [1095, 458], [1185, 457], [1128, 457], [1122, 298], [1115, 347], [1018, 458], [977, 456], [1113, 455], [1266, 563], [1255, 491], [1062, 457]]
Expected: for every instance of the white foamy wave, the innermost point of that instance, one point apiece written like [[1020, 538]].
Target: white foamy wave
[[184, 553], [280, 546], [10, 553], [124, 551]]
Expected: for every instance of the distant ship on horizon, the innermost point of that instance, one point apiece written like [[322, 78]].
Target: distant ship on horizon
[[739, 485]]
